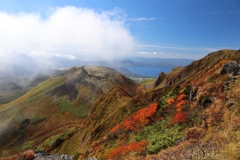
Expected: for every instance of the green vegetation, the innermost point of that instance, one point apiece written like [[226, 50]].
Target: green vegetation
[[54, 141], [147, 80], [68, 107], [40, 90], [27, 145], [159, 136]]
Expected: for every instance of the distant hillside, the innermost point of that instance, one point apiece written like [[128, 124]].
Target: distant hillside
[[55, 106], [120, 65], [16, 81], [156, 62]]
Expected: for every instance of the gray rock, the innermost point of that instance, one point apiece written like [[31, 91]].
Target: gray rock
[[230, 68], [41, 155]]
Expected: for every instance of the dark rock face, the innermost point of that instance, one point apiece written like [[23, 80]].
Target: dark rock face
[[25, 124], [23, 128], [231, 68], [159, 79]]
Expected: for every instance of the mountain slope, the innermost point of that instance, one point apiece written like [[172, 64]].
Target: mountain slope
[[56, 106], [197, 115], [190, 113]]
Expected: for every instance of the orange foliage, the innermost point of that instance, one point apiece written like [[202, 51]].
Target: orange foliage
[[116, 128], [180, 104], [179, 117], [181, 97], [143, 114], [170, 101], [128, 124], [222, 62], [138, 147], [140, 118]]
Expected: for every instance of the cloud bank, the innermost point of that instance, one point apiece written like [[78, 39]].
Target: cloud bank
[[67, 32]]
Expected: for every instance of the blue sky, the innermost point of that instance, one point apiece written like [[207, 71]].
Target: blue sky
[[110, 29]]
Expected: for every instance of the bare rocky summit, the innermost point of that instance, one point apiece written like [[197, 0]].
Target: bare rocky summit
[[86, 83]]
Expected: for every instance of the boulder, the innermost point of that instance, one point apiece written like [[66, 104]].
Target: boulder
[[230, 68]]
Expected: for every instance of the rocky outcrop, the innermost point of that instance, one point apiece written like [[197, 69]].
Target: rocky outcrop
[[87, 83], [160, 78], [230, 68], [53, 157], [198, 66]]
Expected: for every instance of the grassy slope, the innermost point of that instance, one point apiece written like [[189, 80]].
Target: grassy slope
[[39, 109], [52, 116], [214, 130]]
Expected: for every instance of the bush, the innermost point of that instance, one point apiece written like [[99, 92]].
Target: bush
[[138, 147], [27, 145], [159, 137]]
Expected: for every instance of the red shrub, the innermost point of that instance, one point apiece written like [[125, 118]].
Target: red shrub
[[122, 150], [140, 118], [181, 97], [179, 117]]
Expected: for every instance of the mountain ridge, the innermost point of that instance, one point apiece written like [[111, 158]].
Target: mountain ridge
[[44, 105], [191, 111]]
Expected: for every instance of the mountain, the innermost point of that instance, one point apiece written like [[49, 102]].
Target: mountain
[[123, 64], [130, 62], [56, 105], [191, 112], [196, 105]]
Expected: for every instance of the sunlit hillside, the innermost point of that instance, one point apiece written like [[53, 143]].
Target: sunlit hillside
[[94, 112]]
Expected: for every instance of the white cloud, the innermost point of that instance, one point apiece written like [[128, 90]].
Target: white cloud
[[37, 54], [67, 32], [153, 53], [143, 52], [142, 19]]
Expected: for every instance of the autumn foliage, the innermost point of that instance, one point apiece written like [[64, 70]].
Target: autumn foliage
[[223, 61], [179, 117], [210, 72], [181, 100], [141, 118], [138, 147], [170, 101]]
